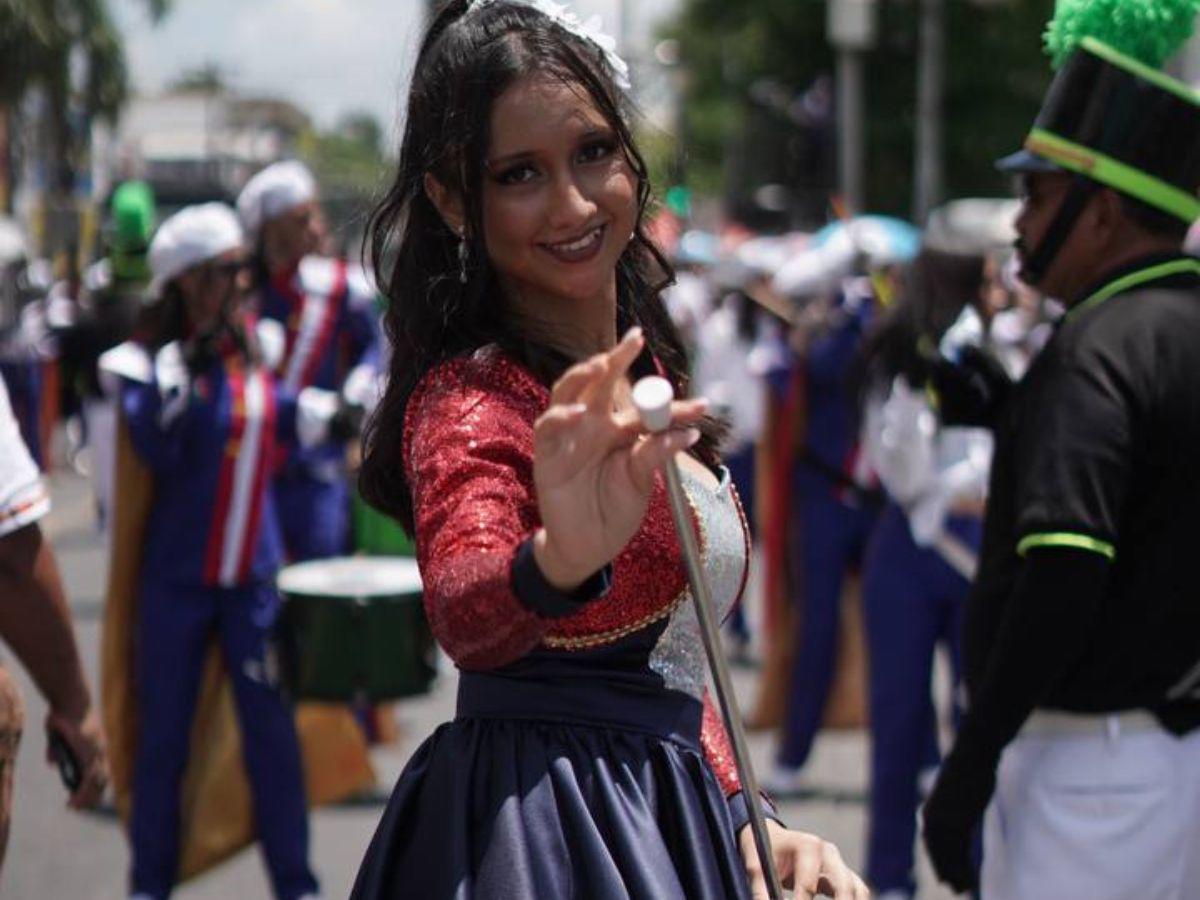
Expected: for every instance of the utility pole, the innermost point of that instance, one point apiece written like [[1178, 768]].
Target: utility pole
[[851, 29], [927, 177]]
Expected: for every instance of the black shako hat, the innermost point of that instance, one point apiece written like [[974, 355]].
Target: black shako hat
[[1122, 123]]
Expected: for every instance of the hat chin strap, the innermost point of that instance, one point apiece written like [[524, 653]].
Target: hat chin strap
[[1034, 269]]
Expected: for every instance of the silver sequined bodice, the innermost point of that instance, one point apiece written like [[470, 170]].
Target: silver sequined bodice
[[679, 654]]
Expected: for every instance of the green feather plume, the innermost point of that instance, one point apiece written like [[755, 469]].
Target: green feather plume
[[1148, 30]]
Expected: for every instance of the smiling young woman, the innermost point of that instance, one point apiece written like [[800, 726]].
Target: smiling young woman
[[559, 203], [585, 759]]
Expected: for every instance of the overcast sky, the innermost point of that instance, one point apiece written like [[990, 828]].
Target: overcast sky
[[329, 57]]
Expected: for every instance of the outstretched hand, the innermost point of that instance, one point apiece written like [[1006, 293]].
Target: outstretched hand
[[593, 465]]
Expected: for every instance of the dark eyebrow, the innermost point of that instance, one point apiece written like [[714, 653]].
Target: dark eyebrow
[[503, 162]]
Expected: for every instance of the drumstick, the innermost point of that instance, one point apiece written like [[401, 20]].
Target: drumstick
[[652, 396]]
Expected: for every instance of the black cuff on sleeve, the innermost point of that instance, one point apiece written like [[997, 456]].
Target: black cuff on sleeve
[[539, 595], [740, 812]]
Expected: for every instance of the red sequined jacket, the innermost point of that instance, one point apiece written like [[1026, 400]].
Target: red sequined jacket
[[468, 453]]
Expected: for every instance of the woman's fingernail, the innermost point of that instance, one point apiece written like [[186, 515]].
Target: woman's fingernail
[[575, 409], [633, 333], [702, 402], [691, 436]]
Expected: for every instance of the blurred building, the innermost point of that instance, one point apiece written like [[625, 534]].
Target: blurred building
[[193, 145]]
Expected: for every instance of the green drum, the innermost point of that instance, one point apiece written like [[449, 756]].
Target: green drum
[[354, 629], [378, 534]]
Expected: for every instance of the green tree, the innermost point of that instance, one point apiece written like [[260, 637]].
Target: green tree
[[350, 157], [349, 164], [750, 63], [38, 41]]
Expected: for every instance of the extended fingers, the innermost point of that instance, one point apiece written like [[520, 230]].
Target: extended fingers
[[571, 385], [614, 365], [592, 380]]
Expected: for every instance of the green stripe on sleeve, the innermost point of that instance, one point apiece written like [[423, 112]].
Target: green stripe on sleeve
[[1065, 539]]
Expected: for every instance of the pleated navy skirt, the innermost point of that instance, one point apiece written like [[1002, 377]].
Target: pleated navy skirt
[[554, 783]]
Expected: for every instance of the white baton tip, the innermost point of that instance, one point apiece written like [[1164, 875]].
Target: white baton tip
[[652, 396]]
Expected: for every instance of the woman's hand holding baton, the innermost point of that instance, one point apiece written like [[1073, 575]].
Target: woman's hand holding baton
[[594, 467]]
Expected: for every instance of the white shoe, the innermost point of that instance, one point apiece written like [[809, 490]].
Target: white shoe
[[784, 781], [926, 779]]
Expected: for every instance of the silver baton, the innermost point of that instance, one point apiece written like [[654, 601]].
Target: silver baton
[[652, 396]]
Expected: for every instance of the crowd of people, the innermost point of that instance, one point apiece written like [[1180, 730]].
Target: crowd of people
[[850, 404], [878, 493], [217, 366]]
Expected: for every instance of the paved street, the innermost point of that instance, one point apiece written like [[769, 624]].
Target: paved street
[[56, 854]]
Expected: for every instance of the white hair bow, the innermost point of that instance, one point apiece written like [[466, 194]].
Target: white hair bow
[[589, 31]]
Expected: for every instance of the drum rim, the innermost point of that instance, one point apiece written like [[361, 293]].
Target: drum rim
[[285, 578]]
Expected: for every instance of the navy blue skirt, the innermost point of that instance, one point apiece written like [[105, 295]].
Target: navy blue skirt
[[550, 787]]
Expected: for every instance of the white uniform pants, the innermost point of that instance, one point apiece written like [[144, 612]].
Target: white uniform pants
[[1094, 808]]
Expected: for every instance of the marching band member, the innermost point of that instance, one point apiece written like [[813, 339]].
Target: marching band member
[[835, 508], [586, 759], [203, 412], [327, 311], [919, 562], [113, 296], [1080, 746]]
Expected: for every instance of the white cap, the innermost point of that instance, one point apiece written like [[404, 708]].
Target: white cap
[[273, 191], [193, 235], [652, 396]]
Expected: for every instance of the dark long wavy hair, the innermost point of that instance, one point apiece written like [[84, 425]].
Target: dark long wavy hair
[[466, 62], [934, 289]]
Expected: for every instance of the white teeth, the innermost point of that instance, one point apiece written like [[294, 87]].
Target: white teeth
[[579, 244]]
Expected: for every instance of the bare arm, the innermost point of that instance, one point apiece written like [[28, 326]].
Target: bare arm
[[35, 622]]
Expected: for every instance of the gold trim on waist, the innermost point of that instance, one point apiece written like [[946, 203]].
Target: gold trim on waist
[[587, 641]]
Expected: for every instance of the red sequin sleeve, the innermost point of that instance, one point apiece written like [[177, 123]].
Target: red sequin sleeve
[[468, 452], [717, 748]]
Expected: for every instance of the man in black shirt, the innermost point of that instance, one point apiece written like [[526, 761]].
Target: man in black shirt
[[1082, 738]]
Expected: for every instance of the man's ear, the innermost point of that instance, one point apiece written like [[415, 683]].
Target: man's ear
[[1109, 212], [448, 203]]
